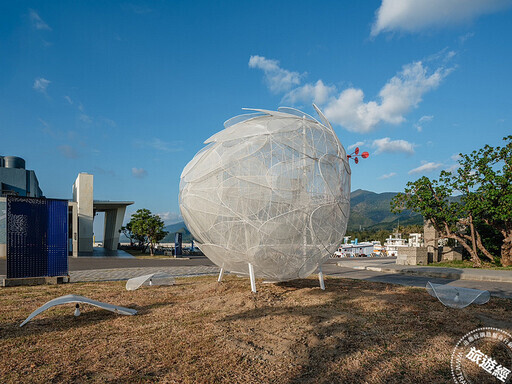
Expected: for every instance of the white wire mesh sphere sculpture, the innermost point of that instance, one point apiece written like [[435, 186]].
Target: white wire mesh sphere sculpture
[[272, 189]]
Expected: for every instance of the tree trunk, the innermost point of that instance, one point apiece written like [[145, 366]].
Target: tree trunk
[[506, 250], [482, 248], [477, 263], [473, 237]]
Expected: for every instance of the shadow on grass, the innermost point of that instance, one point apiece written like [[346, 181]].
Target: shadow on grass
[[372, 334]]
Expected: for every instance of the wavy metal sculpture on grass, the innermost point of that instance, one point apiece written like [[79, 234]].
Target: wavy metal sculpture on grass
[[158, 278], [79, 300], [457, 297]]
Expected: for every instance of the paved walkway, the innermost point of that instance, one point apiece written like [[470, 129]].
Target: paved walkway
[[113, 268], [128, 273], [388, 265], [379, 270]]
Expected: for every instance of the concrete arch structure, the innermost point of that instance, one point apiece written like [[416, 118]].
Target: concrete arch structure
[[85, 208]]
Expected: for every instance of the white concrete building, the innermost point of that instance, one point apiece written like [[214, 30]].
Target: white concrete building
[[393, 243], [15, 180], [415, 240], [83, 208]]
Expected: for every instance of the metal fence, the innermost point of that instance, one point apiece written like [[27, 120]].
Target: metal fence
[[37, 232]]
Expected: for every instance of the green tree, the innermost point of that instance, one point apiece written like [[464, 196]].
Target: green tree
[[484, 180], [464, 182], [148, 227], [381, 235], [430, 198], [491, 199], [414, 228], [127, 231]]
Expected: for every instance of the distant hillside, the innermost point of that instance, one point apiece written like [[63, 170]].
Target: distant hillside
[[178, 227], [368, 210]]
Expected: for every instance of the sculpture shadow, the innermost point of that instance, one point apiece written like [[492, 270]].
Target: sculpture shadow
[[339, 333], [413, 280], [447, 273], [299, 283]]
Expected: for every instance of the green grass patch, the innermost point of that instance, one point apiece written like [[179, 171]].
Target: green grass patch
[[467, 264]]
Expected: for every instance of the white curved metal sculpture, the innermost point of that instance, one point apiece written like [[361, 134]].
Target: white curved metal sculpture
[[159, 278], [457, 297], [269, 195], [79, 299]]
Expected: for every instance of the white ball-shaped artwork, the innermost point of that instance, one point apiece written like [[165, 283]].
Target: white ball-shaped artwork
[[272, 190]]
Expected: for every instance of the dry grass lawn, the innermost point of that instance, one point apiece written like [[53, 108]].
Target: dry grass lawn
[[199, 331]]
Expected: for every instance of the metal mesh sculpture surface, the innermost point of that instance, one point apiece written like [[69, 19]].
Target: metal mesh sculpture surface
[[457, 297], [79, 299], [159, 278], [269, 194]]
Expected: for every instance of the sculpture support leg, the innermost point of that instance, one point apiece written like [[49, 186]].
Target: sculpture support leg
[[253, 279], [221, 275], [321, 278]]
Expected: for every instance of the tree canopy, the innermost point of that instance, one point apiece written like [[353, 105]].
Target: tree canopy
[[484, 181], [147, 228]]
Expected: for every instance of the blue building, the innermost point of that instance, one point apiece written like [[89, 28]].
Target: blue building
[[16, 180]]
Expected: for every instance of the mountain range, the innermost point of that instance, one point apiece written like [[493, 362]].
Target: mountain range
[[368, 210], [372, 211]]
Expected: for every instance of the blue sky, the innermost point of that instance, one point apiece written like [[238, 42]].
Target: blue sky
[[129, 91]]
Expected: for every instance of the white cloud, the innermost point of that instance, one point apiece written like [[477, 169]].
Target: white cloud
[[160, 145], [386, 145], [40, 84], [68, 151], [387, 176], [416, 15], [422, 121], [398, 96], [37, 22], [139, 173], [170, 217], [278, 79], [358, 144], [401, 93], [165, 146], [68, 99], [452, 168], [85, 118], [317, 93], [465, 37], [109, 122], [43, 122], [425, 168]]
